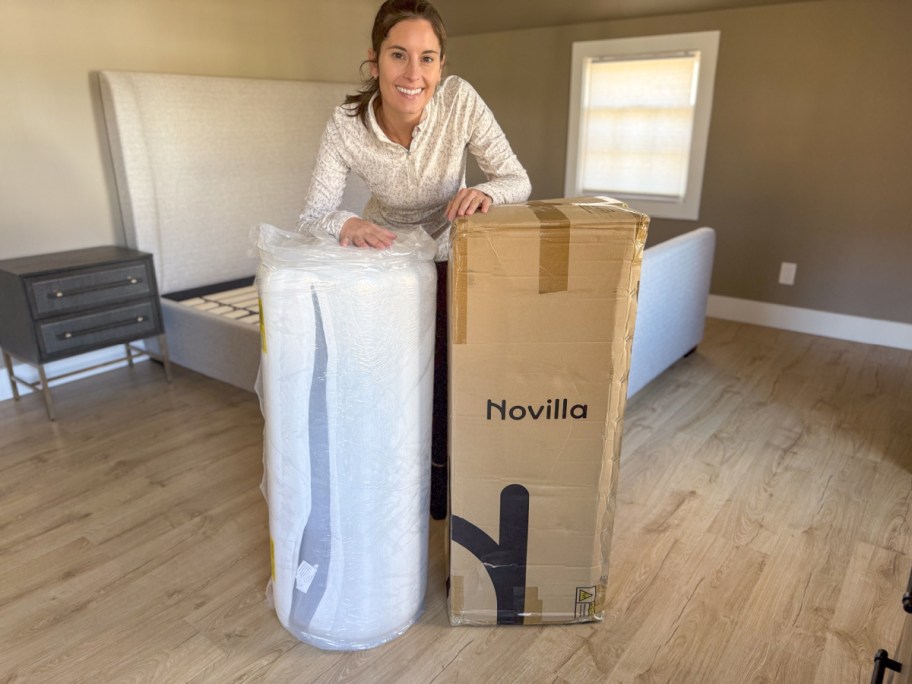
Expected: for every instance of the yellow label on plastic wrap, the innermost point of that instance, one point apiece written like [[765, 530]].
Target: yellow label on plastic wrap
[[272, 557], [262, 339]]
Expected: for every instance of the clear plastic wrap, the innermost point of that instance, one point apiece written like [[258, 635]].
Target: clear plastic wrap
[[345, 386]]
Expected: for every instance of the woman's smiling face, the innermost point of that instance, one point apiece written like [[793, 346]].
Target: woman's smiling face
[[408, 69]]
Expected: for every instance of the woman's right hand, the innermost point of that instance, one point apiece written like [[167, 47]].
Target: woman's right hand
[[360, 233]]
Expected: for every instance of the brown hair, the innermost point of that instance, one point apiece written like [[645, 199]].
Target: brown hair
[[391, 13]]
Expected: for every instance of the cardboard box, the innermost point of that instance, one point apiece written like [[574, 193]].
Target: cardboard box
[[542, 303]]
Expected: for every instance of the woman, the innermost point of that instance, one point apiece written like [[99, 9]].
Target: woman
[[405, 134]]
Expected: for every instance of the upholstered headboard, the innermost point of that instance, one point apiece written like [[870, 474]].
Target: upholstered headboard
[[201, 160]]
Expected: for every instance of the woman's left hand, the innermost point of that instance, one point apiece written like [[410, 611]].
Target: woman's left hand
[[466, 202]]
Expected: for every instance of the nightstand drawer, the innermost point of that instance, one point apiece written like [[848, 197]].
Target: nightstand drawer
[[99, 329], [87, 288]]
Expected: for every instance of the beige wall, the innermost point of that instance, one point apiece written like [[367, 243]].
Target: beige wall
[[56, 187], [810, 146]]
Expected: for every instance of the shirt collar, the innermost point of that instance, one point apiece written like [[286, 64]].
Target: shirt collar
[[425, 116]]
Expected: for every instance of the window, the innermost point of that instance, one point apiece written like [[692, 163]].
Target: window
[[639, 120]]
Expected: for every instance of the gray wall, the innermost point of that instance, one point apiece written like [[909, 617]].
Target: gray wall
[[810, 150]]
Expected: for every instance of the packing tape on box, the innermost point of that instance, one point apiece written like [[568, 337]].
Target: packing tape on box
[[458, 286], [554, 248], [553, 262]]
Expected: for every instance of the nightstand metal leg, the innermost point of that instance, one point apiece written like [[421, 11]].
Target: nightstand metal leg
[[46, 392], [9, 372], [129, 350], [166, 360]]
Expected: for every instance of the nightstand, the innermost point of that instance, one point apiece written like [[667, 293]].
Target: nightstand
[[54, 306]]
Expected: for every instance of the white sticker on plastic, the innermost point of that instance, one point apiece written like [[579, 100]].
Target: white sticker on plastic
[[305, 575]]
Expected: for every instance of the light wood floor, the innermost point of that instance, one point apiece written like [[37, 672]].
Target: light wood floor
[[762, 534]]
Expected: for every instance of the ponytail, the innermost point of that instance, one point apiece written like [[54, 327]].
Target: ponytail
[[357, 103]]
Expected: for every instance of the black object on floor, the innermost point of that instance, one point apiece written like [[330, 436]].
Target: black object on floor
[[439, 475]]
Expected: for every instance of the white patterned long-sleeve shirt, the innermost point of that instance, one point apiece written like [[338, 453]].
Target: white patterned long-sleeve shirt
[[410, 188]]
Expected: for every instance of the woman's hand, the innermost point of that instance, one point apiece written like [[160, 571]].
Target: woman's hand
[[360, 233], [466, 202]]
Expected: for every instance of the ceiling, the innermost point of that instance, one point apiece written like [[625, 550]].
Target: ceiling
[[466, 17]]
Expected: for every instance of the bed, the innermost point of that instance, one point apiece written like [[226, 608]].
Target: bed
[[199, 162]]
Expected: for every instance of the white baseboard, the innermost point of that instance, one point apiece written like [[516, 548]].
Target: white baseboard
[[823, 323], [70, 365]]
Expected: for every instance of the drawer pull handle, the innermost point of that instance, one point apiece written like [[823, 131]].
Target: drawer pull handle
[[882, 663], [100, 328], [57, 294]]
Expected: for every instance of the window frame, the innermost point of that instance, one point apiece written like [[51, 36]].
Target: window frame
[[707, 42]]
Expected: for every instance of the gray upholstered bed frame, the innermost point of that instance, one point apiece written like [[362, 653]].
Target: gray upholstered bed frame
[[199, 162]]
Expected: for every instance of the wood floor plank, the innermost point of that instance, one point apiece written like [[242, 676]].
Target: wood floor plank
[[81, 610], [782, 627], [868, 614], [678, 642], [888, 516], [763, 533]]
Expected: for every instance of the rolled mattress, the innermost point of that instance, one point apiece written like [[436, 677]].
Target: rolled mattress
[[346, 382]]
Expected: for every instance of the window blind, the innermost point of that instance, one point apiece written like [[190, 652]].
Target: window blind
[[638, 124]]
